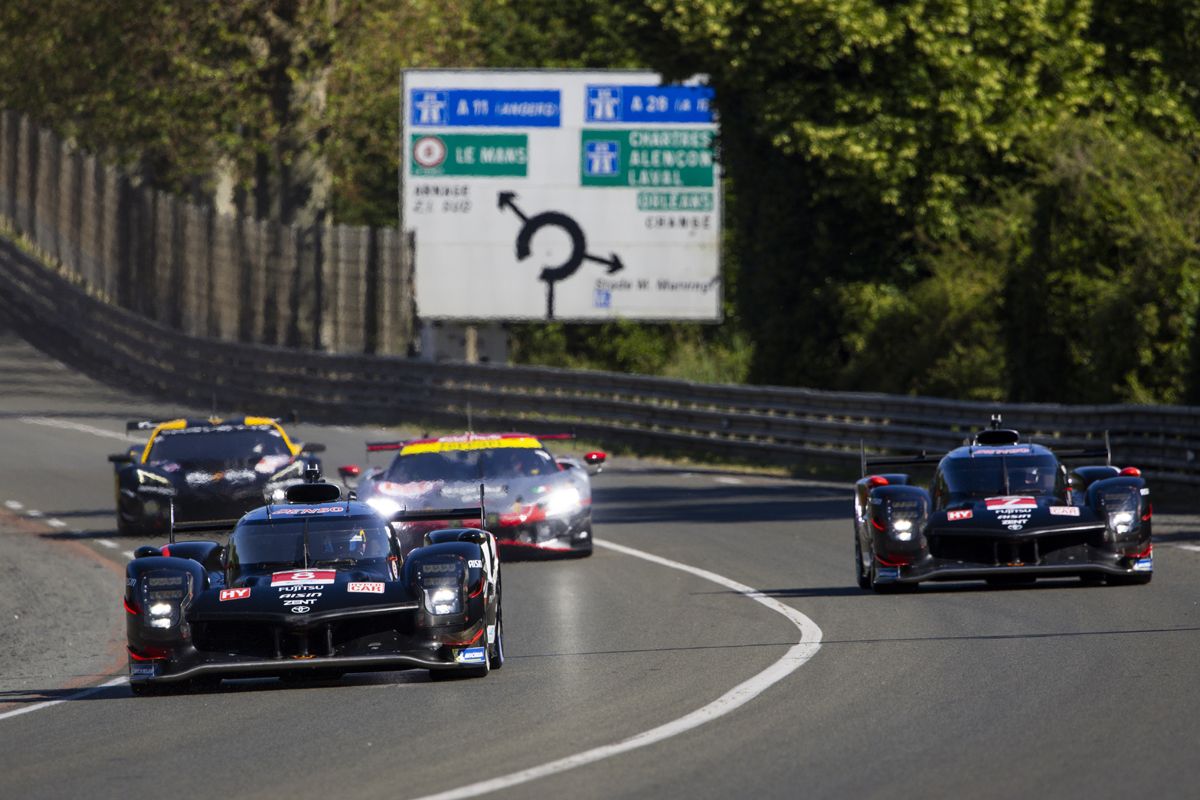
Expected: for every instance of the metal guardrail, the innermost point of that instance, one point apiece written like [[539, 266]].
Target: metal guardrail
[[61, 316]]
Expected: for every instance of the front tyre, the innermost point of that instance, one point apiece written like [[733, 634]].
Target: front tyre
[[861, 573], [496, 651]]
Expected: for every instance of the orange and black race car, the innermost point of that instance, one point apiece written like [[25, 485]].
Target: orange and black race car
[[198, 470], [537, 503]]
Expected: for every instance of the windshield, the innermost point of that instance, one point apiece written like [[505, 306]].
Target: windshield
[[208, 444], [968, 478], [471, 465], [330, 543]]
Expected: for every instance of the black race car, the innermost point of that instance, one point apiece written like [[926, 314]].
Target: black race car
[[1004, 511], [204, 469], [543, 502], [314, 588]]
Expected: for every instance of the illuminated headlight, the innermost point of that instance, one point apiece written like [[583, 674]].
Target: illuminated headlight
[[443, 600], [902, 529], [151, 507], [1120, 521], [160, 610], [561, 501], [145, 477], [279, 495], [385, 506]]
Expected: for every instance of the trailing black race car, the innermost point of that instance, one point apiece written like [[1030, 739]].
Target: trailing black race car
[[204, 469], [314, 588], [1004, 511], [546, 501]]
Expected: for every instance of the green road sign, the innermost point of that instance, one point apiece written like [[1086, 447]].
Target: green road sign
[[646, 157], [474, 154]]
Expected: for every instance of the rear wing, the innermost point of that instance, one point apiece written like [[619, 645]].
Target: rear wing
[[439, 514], [917, 459]]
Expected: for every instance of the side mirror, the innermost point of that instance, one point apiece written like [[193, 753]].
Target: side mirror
[[121, 458], [146, 550], [312, 447], [595, 457], [349, 472]]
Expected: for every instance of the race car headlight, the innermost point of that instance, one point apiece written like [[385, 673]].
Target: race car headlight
[[443, 600], [164, 595], [561, 501], [1120, 522], [293, 470], [902, 529], [150, 478], [384, 505]]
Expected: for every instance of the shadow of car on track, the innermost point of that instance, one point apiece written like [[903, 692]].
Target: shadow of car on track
[[850, 590]]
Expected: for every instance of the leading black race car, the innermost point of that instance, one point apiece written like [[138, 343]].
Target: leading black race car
[[1004, 511], [316, 587], [196, 470]]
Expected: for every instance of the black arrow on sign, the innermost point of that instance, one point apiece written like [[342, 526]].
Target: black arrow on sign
[[555, 219]]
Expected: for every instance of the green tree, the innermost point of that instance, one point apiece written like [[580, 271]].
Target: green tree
[[1104, 307]]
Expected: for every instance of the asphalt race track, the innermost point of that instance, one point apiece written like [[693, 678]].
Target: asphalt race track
[[1058, 690]]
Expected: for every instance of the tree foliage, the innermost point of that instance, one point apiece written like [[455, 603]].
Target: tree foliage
[[989, 200]]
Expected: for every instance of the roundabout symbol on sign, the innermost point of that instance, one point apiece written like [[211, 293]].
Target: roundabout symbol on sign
[[579, 254]]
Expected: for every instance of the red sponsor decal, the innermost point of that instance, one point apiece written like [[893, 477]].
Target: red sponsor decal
[[372, 587], [954, 516], [234, 594], [303, 577], [1016, 501]]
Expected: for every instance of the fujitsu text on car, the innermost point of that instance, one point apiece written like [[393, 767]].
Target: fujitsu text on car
[[1004, 511], [205, 469], [315, 587], [537, 503]]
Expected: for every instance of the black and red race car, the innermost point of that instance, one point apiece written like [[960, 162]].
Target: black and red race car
[[543, 503], [204, 469], [316, 587], [1004, 511]]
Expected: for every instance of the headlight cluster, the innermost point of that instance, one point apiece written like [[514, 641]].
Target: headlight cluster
[[275, 490], [564, 500], [442, 585], [164, 595], [1120, 522], [902, 529], [386, 506]]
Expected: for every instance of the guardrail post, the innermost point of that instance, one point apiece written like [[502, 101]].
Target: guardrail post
[[45, 228], [10, 140]]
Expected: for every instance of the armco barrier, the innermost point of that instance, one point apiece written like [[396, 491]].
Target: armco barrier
[[769, 424]]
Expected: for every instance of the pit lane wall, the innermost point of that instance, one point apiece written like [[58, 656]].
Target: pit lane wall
[[62, 314], [338, 288]]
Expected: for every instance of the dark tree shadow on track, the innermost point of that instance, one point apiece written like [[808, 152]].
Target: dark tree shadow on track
[[1177, 536], [963, 587]]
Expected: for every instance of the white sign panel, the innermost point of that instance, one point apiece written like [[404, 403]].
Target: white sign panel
[[561, 195]]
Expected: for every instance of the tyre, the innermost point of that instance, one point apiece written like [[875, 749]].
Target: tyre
[[861, 574], [496, 650]]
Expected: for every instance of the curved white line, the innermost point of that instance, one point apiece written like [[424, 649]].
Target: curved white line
[[797, 654], [69, 698]]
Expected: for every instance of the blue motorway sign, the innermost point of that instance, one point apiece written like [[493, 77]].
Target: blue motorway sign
[[497, 108], [668, 104]]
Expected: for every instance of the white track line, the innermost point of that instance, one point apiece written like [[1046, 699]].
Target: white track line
[[127, 553], [67, 424], [730, 481], [797, 654], [109, 543], [34, 513], [67, 699], [13, 505], [54, 522], [1195, 548]]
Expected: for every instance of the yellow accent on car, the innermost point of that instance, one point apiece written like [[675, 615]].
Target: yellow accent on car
[[523, 442], [172, 425]]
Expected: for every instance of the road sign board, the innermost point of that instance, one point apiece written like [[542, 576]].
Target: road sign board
[[580, 195]]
